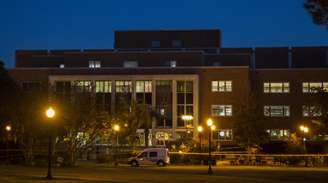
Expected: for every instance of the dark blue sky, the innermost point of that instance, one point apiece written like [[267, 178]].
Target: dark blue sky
[[68, 24]]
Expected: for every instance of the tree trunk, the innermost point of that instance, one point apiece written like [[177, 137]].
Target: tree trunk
[[146, 137]]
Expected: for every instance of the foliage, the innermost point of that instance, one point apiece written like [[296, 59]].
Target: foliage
[[318, 9], [249, 129], [319, 99], [137, 116], [82, 125]]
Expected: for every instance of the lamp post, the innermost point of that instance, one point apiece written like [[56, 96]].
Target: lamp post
[[50, 114], [200, 130], [304, 129], [116, 128], [210, 128], [8, 130]]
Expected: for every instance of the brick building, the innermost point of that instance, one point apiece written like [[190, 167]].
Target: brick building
[[184, 72]]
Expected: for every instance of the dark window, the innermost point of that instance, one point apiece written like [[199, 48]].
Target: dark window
[[152, 154], [155, 44], [177, 43], [143, 155]]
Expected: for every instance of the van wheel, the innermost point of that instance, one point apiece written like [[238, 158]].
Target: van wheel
[[134, 163], [160, 163]]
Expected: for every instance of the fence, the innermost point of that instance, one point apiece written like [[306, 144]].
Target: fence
[[252, 159]]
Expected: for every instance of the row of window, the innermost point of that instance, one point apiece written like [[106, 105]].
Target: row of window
[[272, 87], [268, 110], [275, 134], [96, 64]]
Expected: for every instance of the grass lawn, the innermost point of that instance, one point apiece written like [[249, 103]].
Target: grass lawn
[[90, 172]]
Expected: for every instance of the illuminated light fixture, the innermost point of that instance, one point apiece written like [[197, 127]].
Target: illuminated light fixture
[[116, 128], [213, 127], [50, 112], [187, 117], [8, 128], [304, 129], [221, 134], [209, 122], [199, 128]]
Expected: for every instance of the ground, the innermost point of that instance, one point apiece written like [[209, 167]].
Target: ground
[[89, 172]]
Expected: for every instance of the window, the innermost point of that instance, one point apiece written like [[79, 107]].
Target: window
[[276, 111], [143, 87], [155, 44], [83, 86], [94, 64], [63, 90], [103, 95], [153, 154], [276, 87], [221, 110], [185, 102], [143, 92], [123, 86], [31, 86], [278, 134], [143, 155], [173, 63], [311, 87], [62, 66], [221, 86], [224, 134], [130, 64], [311, 111], [177, 43]]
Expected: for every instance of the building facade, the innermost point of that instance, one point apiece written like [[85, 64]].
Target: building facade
[[184, 72]]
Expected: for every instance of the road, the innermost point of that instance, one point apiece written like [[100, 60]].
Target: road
[[103, 173]]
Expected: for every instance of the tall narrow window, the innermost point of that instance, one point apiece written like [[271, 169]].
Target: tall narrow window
[[185, 103], [143, 92], [103, 95]]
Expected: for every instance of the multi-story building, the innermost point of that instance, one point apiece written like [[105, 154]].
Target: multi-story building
[[184, 72]]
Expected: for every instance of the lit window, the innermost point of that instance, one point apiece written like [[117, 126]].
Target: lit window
[[221, 86], [123, 86], [83, 86], [173, 63], [143, 87], [155, 44], [278, 134], [276, 87], [94, 64], [312, 87], [103, 86], [221, 110], [130, 64], [276, 111], [311, 111], [224, 134]]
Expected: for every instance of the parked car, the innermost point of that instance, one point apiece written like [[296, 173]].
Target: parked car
[[151, 156]]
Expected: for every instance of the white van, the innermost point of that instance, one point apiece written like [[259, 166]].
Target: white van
[[151, 156]]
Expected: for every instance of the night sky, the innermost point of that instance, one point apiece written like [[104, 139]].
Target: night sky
[[79, 24]]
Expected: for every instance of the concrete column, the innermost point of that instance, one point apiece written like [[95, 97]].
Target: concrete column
[[196, 107], [112, 102], [174, 108]]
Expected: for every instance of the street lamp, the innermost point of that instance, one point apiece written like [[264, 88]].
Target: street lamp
[[200, 130], [210, 125], [50, 114], [116, 128], [8, 129], [304, 129]]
